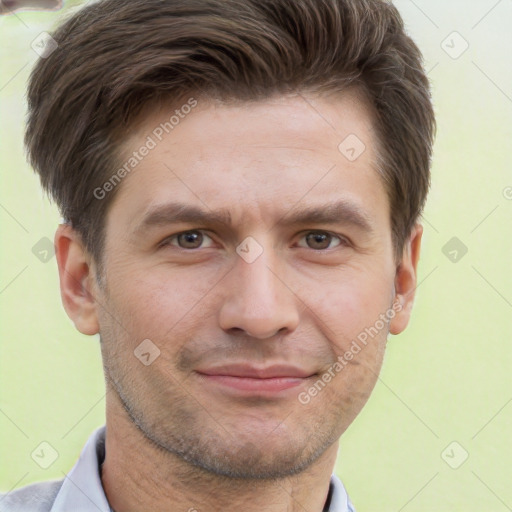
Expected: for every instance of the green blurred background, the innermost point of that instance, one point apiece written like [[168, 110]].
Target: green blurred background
[[445, 392]]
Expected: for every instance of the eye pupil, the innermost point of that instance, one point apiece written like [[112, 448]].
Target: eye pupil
[[322, 239], [190, 239]]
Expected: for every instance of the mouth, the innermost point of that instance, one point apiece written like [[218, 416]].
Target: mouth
[[255, 381]]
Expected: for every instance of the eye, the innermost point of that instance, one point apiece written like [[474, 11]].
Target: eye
[[321, 240], [188, 240]]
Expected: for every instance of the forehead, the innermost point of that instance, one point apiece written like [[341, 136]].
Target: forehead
[[255, 158]]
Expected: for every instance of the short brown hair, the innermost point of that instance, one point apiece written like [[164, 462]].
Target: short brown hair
[[115, 57]]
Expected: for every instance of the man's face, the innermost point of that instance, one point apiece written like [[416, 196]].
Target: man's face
[[297, 292]]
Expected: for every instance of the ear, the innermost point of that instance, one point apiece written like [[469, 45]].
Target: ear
[[406, 279], [77, 281]]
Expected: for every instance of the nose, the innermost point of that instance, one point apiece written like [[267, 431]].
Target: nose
[[258, 301]]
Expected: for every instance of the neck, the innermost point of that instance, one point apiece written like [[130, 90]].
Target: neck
[[139, 475]]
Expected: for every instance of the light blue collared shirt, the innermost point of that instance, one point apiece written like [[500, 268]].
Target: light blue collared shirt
[[81, 490]]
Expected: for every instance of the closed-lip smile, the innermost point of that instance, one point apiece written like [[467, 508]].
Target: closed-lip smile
[[256, 380]]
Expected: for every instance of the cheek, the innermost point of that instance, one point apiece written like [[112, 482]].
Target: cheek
[[157, 302], [348, 306]]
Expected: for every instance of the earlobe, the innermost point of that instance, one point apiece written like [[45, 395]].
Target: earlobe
[[406, 280], [76, 280]]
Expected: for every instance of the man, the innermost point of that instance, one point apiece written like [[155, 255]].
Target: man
[[242, 183]]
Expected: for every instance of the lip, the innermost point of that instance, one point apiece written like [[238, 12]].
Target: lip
[[254, 380], [268, 372]]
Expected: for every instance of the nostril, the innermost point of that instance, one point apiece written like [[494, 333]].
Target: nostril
[[236, 331]]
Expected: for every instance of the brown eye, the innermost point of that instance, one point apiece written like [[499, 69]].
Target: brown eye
[[193, 239], [190, 239], [320, 240]]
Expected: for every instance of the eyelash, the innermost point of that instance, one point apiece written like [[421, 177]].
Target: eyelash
[[342, 240]]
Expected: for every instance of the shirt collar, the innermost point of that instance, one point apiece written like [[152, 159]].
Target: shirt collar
[[82, 489]]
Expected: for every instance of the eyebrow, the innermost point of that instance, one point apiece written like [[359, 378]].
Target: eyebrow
[[338, 212], [168, 213]]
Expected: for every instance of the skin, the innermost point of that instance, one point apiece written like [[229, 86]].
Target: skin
[[301, 302], [10, 6]]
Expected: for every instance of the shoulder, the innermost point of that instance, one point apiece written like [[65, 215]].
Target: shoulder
[[38, 497]]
